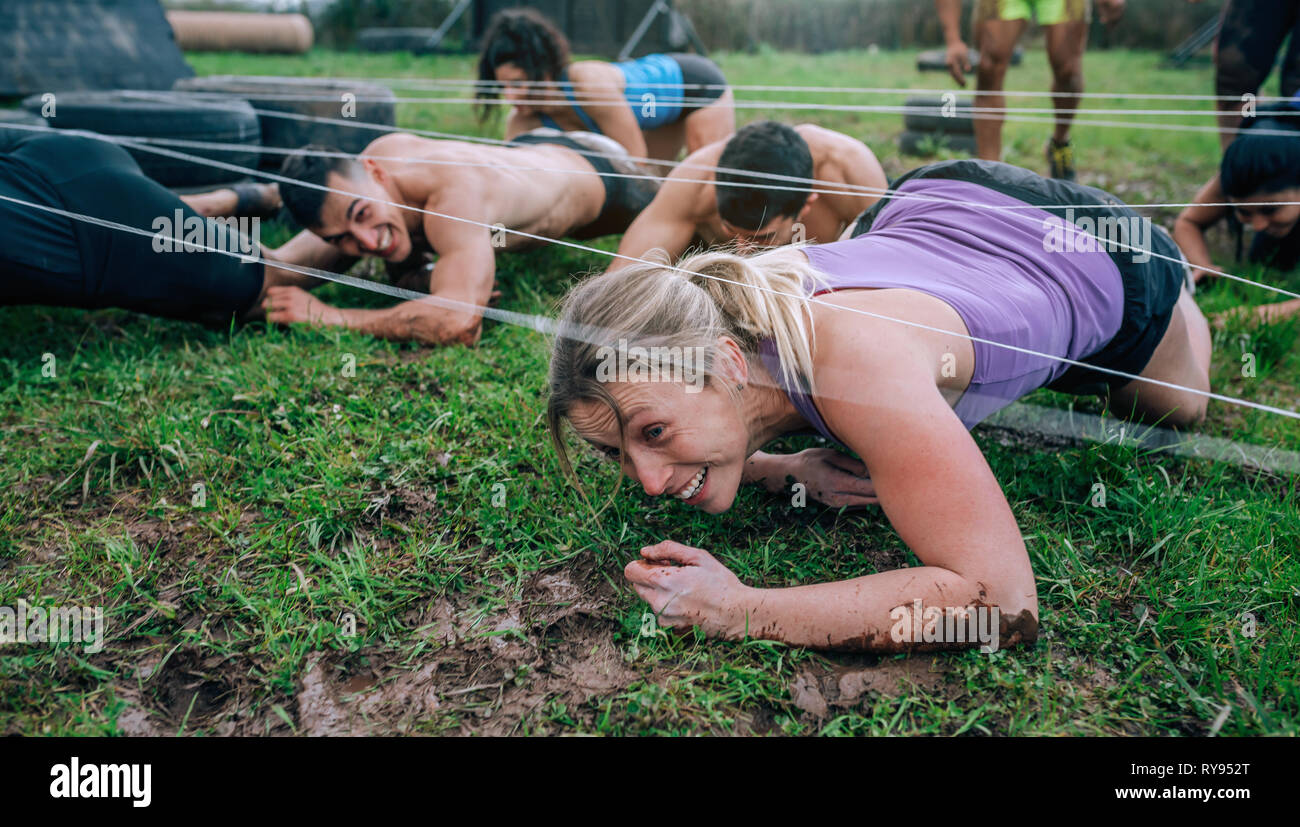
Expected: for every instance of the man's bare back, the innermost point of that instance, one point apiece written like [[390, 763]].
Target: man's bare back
[[541, 189]]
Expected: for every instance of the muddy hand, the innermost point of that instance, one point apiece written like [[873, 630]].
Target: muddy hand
[[832, 478], [287, 305], [685, 587]]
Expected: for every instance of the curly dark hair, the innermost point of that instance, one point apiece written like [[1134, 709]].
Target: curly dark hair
[[525, 38]]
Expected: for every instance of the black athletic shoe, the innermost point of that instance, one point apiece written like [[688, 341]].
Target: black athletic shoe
[[1060, 159]]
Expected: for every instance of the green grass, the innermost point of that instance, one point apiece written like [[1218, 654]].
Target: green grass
[[420, 497]]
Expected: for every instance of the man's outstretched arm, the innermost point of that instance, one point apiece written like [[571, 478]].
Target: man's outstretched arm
[[666, 224], [462, 278]]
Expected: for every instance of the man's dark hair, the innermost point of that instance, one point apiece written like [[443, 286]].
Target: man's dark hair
[[765, 148], [1256, 164], [525, 38], [305, 203]]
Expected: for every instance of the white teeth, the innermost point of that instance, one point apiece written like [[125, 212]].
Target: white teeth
[[693, 487]]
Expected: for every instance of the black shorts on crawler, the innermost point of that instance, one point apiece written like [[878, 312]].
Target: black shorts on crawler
[[702, 80], [1151, 288], [51, 259], [625, 197]]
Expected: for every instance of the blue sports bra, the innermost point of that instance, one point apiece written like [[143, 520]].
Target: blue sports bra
[[652, 87]]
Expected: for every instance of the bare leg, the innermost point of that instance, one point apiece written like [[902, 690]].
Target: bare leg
[[997, 40], [212, 204], [225, 201], [1181, 358], [713, 123], [1065, 46], [665, 144]]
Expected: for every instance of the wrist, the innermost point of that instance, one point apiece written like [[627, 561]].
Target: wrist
[[738, 606]]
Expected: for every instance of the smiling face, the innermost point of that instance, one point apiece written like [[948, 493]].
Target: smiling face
[[1275, 217], [363, 224], [676, 442]]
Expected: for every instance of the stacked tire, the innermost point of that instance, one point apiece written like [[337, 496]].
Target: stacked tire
[[932, 124], [162, 115], [294, 112]]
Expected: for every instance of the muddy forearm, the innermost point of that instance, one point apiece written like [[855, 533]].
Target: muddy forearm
[[767, 470], [879, 613], [413, 321]]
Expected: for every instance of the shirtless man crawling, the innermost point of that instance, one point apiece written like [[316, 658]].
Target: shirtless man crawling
[[546, 187], [696, 202]]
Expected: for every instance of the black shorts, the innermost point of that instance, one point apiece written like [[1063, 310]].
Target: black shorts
[[47, 258], [702, 80], [1151, 288], [1151, 291], [625, 197]]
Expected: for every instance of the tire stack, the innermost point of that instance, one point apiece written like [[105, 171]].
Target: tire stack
[[304, 99], [163, 115], [931, 124]]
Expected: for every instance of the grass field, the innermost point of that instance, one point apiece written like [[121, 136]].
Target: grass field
[[418, 496]]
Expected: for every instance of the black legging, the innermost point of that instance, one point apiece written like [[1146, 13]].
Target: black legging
[[46, 258], [1252, 33]]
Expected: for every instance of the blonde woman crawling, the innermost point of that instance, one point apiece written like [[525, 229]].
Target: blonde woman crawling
[[894, 360]]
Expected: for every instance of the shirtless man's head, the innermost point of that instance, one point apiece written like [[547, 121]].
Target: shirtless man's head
[[759, 215], [358, 225]]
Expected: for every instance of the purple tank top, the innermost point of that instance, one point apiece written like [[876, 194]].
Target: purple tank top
[[993, 268]]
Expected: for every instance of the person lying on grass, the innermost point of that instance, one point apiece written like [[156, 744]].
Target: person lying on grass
[[654, 105], [695, 201], [893, 362], [553, 184], [180, 265], [1261, 174]]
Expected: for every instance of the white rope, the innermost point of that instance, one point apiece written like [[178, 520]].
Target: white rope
[[496, 84], [690, 274], [598, 99], [886, 193]]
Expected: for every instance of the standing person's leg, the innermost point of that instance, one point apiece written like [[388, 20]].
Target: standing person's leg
[[1066, 42], [995, 37], [1247, 45], [1291, 63]]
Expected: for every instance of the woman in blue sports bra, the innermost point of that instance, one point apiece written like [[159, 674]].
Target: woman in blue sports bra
[[654, 106]]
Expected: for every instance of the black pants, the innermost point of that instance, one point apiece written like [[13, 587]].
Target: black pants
[[1249, 40], [47, 258]]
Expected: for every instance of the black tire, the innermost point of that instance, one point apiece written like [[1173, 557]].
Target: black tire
[[925, 144], [20, 117], [395, 40], [151, 114], [316, 97], [933, 120]]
